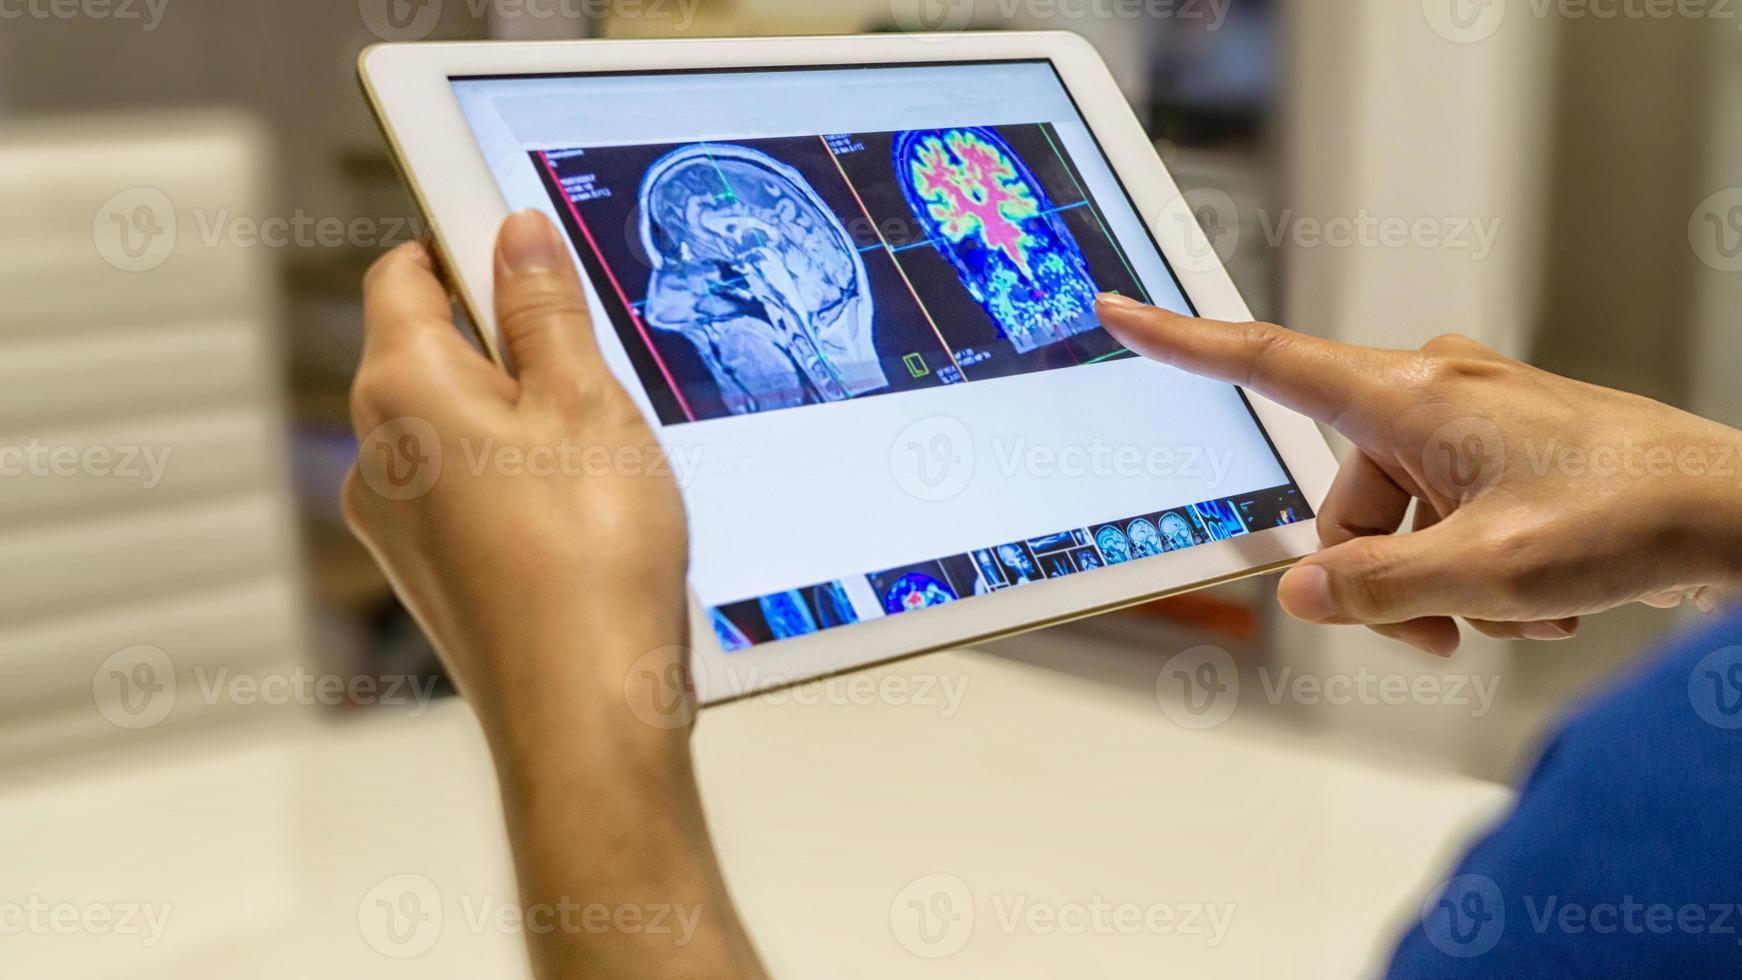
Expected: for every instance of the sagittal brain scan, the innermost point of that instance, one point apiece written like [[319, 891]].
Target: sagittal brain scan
[[1176, 532], [761, 275], [1114, 545], [751, 267], [987, 213]]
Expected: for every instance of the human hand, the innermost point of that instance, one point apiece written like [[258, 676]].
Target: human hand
[[1539, 498], [538, 537]]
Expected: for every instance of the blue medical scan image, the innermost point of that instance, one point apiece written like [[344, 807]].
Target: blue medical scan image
[[1176, 532], [1220, 519], [1114, 545], [985, 211], [732, 637], [1019, 565], [832, 605], [760, 275], [916, 590], [787, 615], [752, 268]]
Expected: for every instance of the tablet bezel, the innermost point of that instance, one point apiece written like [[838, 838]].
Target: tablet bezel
[[409, 87]]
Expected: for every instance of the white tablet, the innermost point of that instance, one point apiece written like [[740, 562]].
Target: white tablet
[[850, 281]]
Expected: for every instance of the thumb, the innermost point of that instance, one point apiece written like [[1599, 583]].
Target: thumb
[[541, 305], [1384, 579]]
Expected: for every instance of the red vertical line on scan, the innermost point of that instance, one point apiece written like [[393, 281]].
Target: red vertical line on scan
[[634, 315], [892, 258]]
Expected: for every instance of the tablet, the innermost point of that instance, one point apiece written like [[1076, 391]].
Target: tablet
[[850, 282]]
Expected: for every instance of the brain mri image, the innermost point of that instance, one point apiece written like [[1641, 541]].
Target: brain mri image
[[1145, 539], [1115, 547], [988, 214], [1176, 532], [916, 590], [755, 271]]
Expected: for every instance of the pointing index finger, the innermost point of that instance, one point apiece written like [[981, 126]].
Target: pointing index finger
[[1318, 378]]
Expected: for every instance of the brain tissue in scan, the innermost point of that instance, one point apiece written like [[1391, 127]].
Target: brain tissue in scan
[[751, 266], [985, 211]]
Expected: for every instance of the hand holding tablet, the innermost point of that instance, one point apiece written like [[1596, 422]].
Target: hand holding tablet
[[863, 329]]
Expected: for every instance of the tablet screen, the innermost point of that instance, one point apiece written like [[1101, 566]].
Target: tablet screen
[[857, 304]]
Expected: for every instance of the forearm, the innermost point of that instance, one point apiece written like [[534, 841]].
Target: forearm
[[610, 842]]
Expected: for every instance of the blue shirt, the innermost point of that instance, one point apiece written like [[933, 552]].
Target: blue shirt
[[1623, 856]]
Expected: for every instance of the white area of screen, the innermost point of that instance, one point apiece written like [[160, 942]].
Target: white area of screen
[[787, 499]]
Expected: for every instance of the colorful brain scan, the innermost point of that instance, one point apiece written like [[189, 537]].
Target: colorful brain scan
[[985, 211], [787, 615], [1115, 547], [1176, 532], [1145, 540], [754, 269], [916, 590]]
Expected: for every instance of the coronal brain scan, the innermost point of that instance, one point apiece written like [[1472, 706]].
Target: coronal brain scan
[[758, 274], [982, 208]]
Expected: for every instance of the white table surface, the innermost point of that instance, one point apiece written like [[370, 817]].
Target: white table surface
[[1039, 799]]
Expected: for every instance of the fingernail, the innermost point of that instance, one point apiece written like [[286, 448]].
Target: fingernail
[[1544, 631], [1305, 592], [1118, 301], [529, 243]]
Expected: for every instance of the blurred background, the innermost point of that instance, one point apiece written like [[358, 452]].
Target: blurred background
[[1571, 180]]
